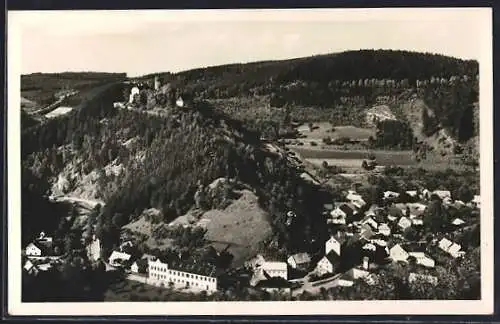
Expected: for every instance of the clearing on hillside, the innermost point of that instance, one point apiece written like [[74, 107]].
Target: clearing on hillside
[[242, 225], [325, 129]]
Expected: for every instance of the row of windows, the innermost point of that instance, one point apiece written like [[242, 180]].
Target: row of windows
[[182, 274], [175, 280]]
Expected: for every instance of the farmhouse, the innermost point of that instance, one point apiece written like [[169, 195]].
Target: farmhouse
[[161, 273]]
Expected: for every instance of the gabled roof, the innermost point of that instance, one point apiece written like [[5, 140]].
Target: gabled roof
[[445, 244], [398, 249], [442, 193], [301, 258], [274, 266], [332, 257], [119, 255], [458, 221], [411, 193], [346, 209]]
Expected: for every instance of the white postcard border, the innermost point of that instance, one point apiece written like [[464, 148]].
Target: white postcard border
[[483, 306]]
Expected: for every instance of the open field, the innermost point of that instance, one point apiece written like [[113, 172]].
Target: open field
[[324, 129], [242, 225], [383, 157], [58, 112]]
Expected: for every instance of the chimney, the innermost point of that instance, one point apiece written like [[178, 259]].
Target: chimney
[[365, 263]]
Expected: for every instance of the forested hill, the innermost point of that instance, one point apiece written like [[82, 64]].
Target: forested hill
[[323, 69], [160, 162], [340, 87]]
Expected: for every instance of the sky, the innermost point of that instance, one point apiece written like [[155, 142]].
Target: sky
[[143, 42]]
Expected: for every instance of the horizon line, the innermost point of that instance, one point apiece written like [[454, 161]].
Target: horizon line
[[254, 62]]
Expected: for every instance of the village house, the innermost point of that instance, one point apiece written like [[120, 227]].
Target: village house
[[384, 229], [134, 93], [451, 248], [328, 264], [118, 105], [160, 272], [358, 272], [354, 197], [335, 243], [368, 220], [477, 201], [412, 193], [179, 102], [442, 194], [299, 261], [397, 253], [118, 259], [31, 268], [33, 250], [255, 262], [404, 223], [275, 269], [340, 214], [390, 195], [139, 266], [458, 222], [425, 194], [366, 232], [422, 259]]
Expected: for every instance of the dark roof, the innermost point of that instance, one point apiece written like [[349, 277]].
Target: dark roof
[[346, 209], [199, 268], [45, 247], [333, 257]]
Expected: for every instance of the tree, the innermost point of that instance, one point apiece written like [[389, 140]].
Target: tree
[[465, 193], [435, 216]]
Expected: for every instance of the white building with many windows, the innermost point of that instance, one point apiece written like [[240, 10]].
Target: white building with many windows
[[160, 272]]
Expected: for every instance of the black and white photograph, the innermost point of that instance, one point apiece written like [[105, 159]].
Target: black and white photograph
[[175, 162]]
